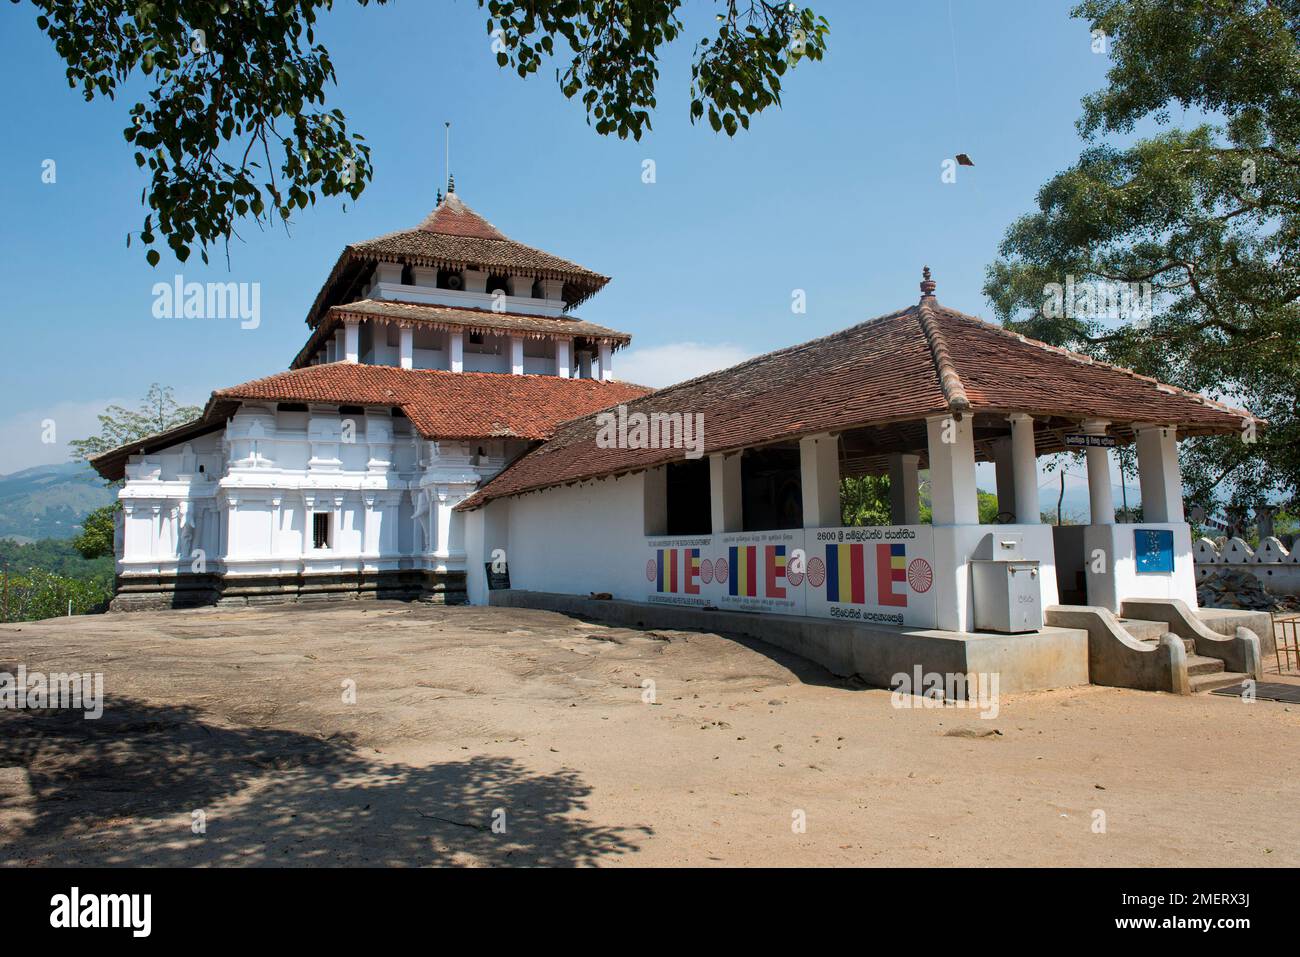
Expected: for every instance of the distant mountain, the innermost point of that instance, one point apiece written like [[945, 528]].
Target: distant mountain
[[49, 501]]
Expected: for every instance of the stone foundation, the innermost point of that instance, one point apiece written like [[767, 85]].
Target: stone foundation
[[156, 592]]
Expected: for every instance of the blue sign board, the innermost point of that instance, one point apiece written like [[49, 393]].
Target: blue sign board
[[1154, 548]]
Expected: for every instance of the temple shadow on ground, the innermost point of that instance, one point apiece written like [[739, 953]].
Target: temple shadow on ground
[[310, 802]]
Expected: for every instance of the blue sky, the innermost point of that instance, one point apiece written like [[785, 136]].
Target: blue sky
[[838, 193]]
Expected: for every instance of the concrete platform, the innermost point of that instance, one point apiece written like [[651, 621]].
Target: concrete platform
[[1036, 661]]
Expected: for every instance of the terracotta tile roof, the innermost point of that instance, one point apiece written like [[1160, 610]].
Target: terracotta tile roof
[[451, 237], [440, 405], [923, 361], [451, 317]]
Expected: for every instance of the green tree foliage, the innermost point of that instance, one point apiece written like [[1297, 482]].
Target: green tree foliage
[[158, 412], [55, 555], [235, 126], [1209, 216], [34, 594], [864, 500], [95, 540]]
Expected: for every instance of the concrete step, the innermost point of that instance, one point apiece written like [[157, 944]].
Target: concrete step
[[1209, 682], [1144, 630], [1188, 644], [1201, 665]]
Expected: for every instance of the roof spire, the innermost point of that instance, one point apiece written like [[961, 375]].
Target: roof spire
[[451, 183], [927, 284]]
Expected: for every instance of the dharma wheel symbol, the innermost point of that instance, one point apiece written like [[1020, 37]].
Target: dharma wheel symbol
[[706, 571], [920, 576], [816, 572], [651, 570]]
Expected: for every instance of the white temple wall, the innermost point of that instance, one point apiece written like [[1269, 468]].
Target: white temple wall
[[365, 471], [576, 539]]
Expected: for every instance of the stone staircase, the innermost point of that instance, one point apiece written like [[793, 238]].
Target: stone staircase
[[1203, 673]]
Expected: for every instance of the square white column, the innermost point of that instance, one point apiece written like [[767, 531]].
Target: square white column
[[725, 507], [425, 276], [351, 341], [819, 473], [406, 350], [520, 287], [456, 351], [904, 489], [952, 470], [1024, 464], [517, 355], [1158, 473], [584, 364], [1101, 498], [562, 359], [606, 362], [475, 280]]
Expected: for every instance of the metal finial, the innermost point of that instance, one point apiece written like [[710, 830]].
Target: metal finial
[[927, 284], [439, 203], [451, 184]]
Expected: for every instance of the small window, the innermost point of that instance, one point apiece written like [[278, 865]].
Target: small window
[[476, 338], [320, 530]]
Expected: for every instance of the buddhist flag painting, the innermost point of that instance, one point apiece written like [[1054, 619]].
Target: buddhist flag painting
[[775, 570], [691, 571], [743, 582], [891, 575], [666, 569], [846, 575]]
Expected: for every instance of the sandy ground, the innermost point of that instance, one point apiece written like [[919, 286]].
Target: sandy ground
[[466, 716]]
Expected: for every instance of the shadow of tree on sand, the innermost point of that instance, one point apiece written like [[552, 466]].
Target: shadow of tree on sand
[[122, 789]]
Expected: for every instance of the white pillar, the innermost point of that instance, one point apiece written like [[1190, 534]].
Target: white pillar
[[562, 360], [425, 276], [475, 280], [520, 287], [406, 351], [952, 470], [553, 290], [340, 345], [352, 341], [1158, 473], [1101, 500], [329, 349], [819, 473], [517, 355], [725, 505], [1025, 469], [456, 351], [904, 488], [584, 364], [606, 361]]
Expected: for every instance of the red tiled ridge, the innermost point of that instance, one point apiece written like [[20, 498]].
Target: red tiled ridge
[[906, 366], [948, 378], [453, 236], [441, 404], [453, 218]]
